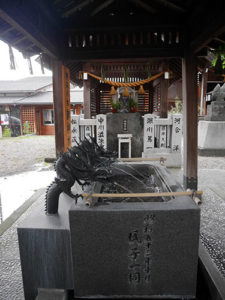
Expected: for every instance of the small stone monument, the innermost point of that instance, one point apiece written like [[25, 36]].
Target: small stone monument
[[216, 110], [211, 135]]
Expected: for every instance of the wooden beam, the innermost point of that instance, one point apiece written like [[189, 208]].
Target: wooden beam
[[30, 46], [144, 5], [18, 40], [81, 5], [129, 28], [101, 7], [211, 25], [20, 22], [71, 54], [219, 40], [190, 120], [206, 37], [172, 5], [58, 106], [164, 84], [46, 9], [5, 31]]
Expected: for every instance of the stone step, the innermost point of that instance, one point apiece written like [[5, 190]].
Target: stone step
[[50, 294]]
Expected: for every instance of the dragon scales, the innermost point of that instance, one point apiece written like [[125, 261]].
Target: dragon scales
[[84, 163]]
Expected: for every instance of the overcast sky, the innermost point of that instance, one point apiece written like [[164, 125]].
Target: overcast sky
[[22, 69]]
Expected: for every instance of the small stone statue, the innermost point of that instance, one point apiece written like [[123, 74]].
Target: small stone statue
[[218, 94], [216, 110]]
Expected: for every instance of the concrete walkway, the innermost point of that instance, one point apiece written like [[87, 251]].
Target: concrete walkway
[[211, 181], [23, 168]]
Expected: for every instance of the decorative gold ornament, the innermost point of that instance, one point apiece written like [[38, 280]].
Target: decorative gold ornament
[[113, 91], [141, 90], [126, 93]]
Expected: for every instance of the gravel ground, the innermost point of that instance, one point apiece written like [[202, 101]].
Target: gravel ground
[[211, 177], [20, 154], [211, 162], [213, 224]]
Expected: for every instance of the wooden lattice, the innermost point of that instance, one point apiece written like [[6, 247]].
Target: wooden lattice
[[100, 100], [28, 114]]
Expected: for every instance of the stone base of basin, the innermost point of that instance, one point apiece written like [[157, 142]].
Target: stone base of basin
[[211, 138], [114, 250], [136, 249]]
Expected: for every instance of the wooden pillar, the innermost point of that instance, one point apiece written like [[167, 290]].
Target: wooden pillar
[[190, 120], [87, 98], [203, 93], [97, 98], [150, 109], [164, 98], [61, 100], [58, 106]]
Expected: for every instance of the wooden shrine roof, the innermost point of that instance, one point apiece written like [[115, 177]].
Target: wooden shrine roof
[[77, 31]]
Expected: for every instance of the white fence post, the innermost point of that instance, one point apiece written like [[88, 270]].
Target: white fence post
[[149, 132], [101, 130], [75, 129]]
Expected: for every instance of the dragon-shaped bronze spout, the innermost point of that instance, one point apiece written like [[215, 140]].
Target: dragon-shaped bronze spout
[[85, 163]]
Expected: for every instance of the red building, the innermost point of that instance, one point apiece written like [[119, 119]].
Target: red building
[[30, 100]]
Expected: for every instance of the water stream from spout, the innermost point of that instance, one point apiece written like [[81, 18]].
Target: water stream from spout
[[126, 189], [129, 174], [139, 173]]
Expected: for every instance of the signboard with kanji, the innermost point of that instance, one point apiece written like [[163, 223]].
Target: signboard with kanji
[[149, 132], [101, 130], [176, 133]]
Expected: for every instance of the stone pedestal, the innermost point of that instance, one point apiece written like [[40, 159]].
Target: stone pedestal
[[211, 138], [216, 111], [136, 249], [44, 244]]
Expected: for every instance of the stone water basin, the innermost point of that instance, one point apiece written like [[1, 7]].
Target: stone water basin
[[136, 247]]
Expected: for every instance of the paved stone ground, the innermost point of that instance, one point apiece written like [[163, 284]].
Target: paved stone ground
[[211, 180], [11, 286], [211, 175], [20, 154]]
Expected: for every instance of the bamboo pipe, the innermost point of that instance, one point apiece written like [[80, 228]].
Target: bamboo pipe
[[134, 195], [133, 159]]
